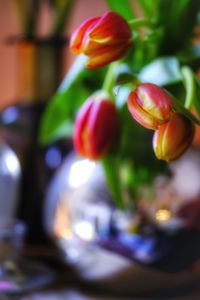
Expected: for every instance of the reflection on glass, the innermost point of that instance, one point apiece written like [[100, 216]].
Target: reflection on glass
[[80, 172], [11, 241], [17, 274], [73, 223]]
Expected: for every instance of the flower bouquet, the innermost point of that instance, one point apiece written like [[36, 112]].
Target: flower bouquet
[[131, 103]]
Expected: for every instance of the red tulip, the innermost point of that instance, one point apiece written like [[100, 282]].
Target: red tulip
[[96, 128], [103, 39], [150, 105], [172, 139]]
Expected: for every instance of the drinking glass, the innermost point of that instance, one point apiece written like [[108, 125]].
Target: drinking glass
[[18, 274]]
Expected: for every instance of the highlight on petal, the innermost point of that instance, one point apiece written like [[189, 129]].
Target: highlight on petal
[[104, 57], [155, 100], [78, 36], [140, 115]]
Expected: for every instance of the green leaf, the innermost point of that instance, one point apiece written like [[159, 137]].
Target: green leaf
[[75, 71], [123, 74], [161, 71], [189, 81], [58, 117], [178, 19], [148, 6], [123, 7], [61, 106], [111, 167], [77, 86]]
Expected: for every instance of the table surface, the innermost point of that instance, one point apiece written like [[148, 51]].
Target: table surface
[[67, 284]]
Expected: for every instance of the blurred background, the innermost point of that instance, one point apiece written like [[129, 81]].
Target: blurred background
[[38, 164], [9, 27]]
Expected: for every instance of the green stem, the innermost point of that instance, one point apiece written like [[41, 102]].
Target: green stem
[[140, 22], [181, 109], [111, 169], [110, 163], [190, 86], [109, 80]]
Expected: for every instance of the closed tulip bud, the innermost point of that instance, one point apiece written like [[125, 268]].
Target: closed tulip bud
[[150, 105], [96, 127], [172, 139], [103, 39]]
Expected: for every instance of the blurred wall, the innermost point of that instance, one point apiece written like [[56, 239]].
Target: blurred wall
[[9, 26]]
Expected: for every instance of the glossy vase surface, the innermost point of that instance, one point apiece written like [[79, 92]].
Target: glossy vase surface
[[95, 237], [10, 176]]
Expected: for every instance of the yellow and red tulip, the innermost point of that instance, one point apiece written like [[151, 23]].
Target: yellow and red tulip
[[150, 105], [96, 127], [172, 139], [103, 39]]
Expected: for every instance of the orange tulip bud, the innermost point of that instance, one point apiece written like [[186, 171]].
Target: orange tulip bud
[[172, 139], [96, 128], [150, 105], [103, 39]]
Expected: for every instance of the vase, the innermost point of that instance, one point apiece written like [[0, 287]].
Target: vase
[[98, 240], [39, 72], [10, 175], [40, 62]]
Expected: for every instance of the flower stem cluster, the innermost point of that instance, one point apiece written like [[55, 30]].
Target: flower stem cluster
[[104, 40]]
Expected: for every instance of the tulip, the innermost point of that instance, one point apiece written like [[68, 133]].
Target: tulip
[[103, 39], [96, 128], [150, 105], [172, 139]]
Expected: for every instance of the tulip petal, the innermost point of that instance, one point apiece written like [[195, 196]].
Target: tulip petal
[[96, 127], [102, 126], [155, 100], [100, 35], [112, 26], [150, 105], [78, 36], [106, 57], [92, 48], [140, 115], [80, 132], [172, 139]]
